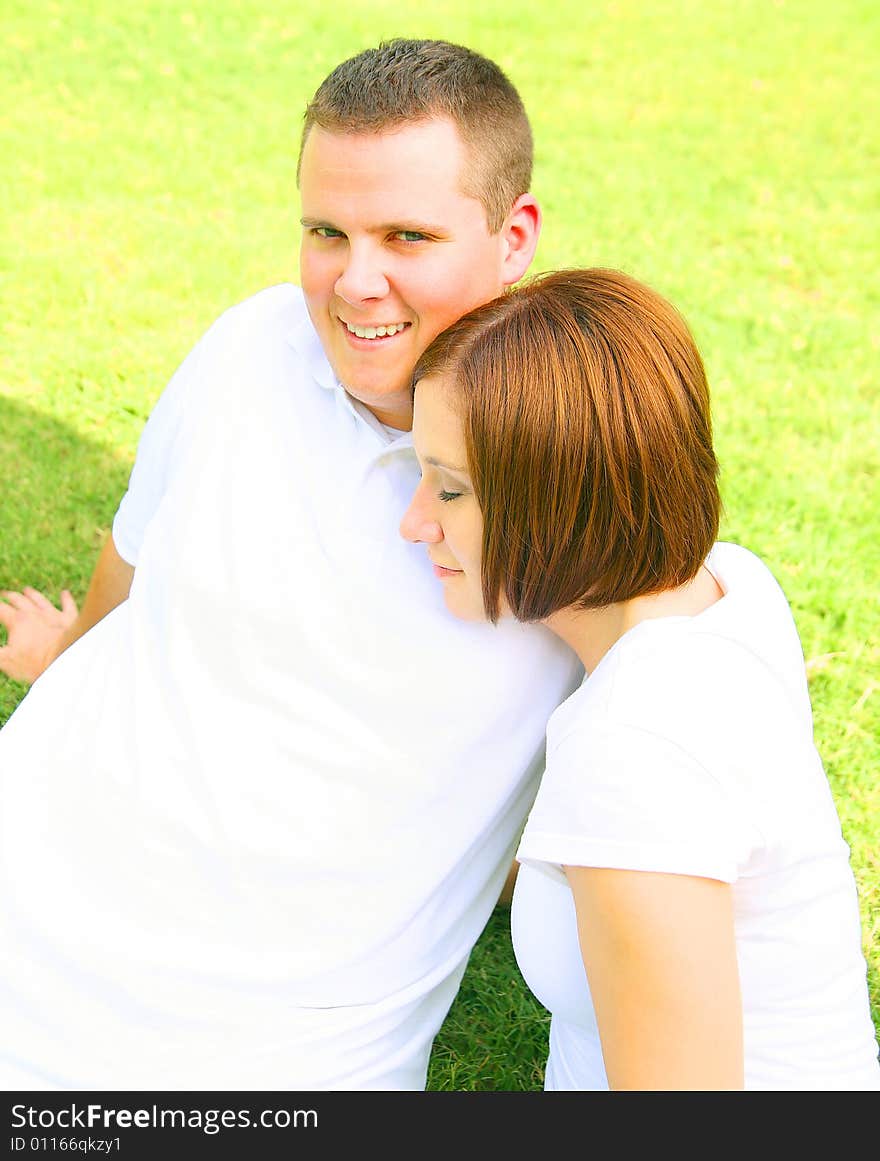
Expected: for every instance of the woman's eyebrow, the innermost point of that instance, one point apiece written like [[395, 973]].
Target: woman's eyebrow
[[435, 463]]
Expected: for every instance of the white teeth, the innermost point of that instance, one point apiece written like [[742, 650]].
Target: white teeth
[[375, 332]]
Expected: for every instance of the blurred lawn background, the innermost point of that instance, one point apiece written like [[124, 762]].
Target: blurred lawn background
[[726, 152]]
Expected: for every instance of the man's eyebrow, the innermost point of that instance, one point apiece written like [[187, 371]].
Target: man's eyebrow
[[412, 228], [435, 463], [430, 228]]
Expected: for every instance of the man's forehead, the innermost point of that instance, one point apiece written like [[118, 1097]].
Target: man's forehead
[[369, 140], [420, 158]]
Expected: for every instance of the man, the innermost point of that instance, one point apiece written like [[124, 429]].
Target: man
[[242, 847]]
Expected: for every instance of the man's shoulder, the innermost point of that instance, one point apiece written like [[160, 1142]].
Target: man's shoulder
[[280, 308], [269, 326]]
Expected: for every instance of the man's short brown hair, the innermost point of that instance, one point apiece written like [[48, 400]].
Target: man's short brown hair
[[586, 418], [406, 81]]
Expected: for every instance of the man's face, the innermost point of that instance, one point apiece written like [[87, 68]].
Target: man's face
[[392, 253]]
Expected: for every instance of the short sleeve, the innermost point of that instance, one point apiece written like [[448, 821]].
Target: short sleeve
[[155, 452], [626, 798]]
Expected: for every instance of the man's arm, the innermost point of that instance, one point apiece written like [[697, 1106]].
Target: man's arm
[[506, 896], [37, 632]]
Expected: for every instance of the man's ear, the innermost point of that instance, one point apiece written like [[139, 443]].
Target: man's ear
[[519, 235]]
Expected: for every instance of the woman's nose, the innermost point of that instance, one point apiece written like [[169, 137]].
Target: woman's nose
[[417, 525]]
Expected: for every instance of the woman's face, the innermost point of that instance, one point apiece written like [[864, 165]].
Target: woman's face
[[444, 514]]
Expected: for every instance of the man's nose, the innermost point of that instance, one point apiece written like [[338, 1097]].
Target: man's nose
[[417, 526], [362, 277]]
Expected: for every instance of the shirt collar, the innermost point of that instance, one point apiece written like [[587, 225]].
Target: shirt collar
[[304, 339]]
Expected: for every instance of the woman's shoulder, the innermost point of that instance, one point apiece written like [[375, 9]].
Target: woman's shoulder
[[738, 660]]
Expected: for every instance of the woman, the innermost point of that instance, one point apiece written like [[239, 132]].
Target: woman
[[685, 905]]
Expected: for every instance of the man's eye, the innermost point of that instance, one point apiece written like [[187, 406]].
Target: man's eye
[[327, 232], [409, 236], [447, 496]]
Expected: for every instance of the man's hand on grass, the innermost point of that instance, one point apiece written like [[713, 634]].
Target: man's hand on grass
[[34, 629]]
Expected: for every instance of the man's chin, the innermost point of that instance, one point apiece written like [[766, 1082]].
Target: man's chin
[[393, 408]]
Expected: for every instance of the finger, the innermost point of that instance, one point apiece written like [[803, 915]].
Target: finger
[[37, 598], [17, 600], [7, 614], [68, 604], [7, 664]]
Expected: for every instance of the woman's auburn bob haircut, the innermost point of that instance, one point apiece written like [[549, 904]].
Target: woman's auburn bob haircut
[[586, 419]]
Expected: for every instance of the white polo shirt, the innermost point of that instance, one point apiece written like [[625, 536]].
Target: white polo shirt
[[254, 821]]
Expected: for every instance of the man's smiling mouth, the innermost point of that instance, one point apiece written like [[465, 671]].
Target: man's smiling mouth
[[377, 332]]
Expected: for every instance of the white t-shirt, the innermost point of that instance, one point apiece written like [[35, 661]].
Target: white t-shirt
[[253, 822], [689, 750]]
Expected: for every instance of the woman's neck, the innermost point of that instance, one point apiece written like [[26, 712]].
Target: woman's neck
[[592, 632]]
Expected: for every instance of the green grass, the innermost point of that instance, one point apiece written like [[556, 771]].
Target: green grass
[[726, 152]]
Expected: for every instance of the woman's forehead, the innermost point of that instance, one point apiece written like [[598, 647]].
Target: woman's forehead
[[438, 433]]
